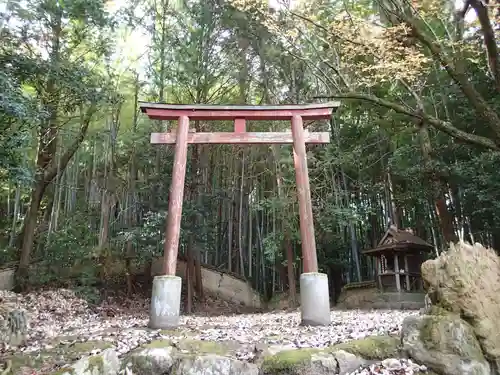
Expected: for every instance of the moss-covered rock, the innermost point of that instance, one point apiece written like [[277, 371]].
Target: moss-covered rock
[[444, 343], [96, 364], [20, 362], [153, 358], [300, 362], [340, 358], [58, 355], [287, 360], [311, 362], [106, 363], [466, 280], [372, 347]]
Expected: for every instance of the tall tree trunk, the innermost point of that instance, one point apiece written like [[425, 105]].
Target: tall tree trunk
[[250, 243], [189, 277], [394, 211], [292, 286], [230, 227], [193, 260], [241, 269], [30, 221], [445, 217], [17, 205], [132, 217]]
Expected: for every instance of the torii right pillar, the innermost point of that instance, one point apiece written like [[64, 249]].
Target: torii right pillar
[[314, 293]]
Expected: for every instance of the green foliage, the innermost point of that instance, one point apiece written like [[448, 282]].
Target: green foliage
[[16, 114], [272, 244], [72, 243], [150, 239]]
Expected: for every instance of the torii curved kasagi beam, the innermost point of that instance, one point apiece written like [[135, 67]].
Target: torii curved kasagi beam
[[315, 111], [239, 114]]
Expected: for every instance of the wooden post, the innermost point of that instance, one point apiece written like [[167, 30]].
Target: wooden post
[[176, 196], [304, 195], [396, 272], [407, 272], [379, 272]]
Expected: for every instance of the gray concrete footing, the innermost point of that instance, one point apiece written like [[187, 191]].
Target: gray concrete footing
[[314, 299], [164, 312]]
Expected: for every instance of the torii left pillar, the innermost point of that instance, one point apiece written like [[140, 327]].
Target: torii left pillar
[[167, 288], [314, 293], [165, 299]]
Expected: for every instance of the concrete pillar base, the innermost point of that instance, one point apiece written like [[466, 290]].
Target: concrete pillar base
[[314, 299], [165, 302]]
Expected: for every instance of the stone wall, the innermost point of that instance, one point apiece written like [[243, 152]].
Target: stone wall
[[7, 278], [367, 296], [229, 287]]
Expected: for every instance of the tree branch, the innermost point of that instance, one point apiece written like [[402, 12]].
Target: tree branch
[[489, 40], [54, 167], [480, 105], [321, 27], [444, 126]]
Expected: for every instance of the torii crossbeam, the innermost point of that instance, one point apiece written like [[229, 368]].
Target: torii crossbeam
[[165, 301]]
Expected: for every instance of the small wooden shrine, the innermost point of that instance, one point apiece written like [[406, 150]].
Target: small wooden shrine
[[398, 257]]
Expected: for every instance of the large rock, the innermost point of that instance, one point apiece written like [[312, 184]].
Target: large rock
[[106, 363], [213, 364], [187, 357], [340, 359], [466, 280], [160, 357], [311, 362], [61, 352], [445, 343], [13, 325], [151, 360], [346, 363]]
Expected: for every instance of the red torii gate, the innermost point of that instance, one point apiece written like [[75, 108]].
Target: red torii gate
[[165, 301]]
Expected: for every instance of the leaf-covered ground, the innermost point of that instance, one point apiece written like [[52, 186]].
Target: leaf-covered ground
[[59, 317]]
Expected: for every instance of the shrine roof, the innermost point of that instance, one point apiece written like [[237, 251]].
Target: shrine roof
[[169, 111], [396, 239]]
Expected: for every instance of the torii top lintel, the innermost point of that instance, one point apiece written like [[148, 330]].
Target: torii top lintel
[[315, 111]]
